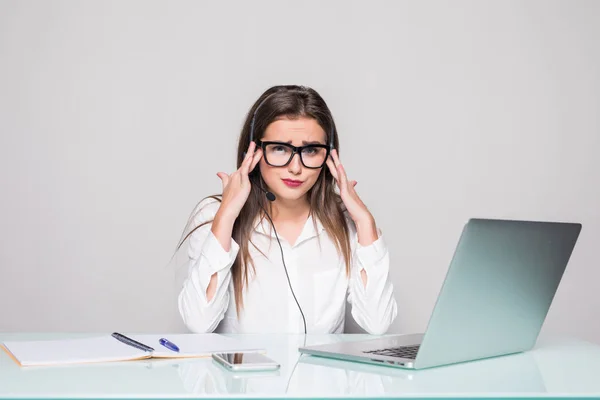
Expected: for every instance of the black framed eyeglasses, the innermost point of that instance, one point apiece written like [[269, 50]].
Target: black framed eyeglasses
[[278, 154]]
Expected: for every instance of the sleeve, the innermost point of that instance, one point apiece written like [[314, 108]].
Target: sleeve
[[374, 307], [206, 256]]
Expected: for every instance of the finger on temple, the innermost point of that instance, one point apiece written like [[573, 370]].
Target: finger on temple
[[343, 176], [246, 165], [250, 152], [332, 169], [255, 160], [336, 157]]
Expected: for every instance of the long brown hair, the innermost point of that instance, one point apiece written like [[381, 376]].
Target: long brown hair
[[292, 102]]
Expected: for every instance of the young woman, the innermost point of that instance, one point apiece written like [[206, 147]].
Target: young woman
[[280, 250]]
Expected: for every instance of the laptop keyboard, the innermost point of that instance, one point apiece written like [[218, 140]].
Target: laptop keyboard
[[400, 352]]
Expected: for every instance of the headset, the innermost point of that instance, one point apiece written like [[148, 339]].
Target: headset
[[271, 197]]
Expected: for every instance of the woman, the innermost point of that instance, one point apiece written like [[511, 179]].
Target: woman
[[280, 250]]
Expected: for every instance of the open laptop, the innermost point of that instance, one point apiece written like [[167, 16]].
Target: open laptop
[[494, 300]]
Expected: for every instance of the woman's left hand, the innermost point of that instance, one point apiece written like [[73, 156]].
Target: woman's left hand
[[356, 208]]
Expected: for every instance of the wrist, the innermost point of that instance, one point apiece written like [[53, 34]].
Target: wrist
[[227, 213], [366, 222], [366, 230], [225, 217], [222, 229]]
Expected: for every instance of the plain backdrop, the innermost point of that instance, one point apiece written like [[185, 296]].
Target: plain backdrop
[[116, 115]]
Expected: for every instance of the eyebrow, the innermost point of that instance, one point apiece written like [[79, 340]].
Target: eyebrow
[[313, 142], [304, 142]]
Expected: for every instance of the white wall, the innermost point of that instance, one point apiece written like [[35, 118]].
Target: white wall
[[116, 115]]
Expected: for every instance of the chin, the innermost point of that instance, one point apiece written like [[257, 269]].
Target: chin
[[285, 195], [283, 192]]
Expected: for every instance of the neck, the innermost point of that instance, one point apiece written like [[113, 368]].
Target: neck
[[283, 209]]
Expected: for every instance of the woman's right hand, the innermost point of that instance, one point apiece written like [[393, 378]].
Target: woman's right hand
[[236, 187]]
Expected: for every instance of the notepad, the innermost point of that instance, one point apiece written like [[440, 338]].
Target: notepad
[[108, 349]]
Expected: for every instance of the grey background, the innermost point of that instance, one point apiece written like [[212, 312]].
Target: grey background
[[116, 115]]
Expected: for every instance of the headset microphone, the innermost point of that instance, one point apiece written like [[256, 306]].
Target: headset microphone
[[270, 196]]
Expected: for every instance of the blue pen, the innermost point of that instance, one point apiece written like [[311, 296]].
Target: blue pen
[[168, 345]]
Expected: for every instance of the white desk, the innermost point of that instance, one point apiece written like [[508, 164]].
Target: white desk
[[556, 367]]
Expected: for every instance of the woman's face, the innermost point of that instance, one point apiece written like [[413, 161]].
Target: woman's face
[[293, 181]]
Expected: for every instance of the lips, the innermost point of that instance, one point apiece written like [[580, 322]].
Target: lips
[[292, 182]]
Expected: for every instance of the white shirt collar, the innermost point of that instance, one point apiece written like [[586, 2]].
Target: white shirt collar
[[308, 231]]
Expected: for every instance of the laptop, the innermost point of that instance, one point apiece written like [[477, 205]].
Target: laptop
[[519, 373], [493, 302]]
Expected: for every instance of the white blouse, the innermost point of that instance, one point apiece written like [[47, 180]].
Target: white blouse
[[316, 271]]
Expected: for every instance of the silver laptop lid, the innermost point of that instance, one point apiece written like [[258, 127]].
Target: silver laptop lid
[[498, 289]]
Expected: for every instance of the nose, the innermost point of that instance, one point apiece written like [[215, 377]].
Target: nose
[[295, 166]]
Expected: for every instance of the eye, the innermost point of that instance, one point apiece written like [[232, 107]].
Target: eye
[[310, 151]]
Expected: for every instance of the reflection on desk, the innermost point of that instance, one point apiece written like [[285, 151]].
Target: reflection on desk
[[554, 367]]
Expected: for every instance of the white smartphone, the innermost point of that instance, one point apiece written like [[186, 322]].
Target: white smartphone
[[245, 361]]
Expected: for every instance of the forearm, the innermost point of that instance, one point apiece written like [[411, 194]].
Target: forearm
[[366, 231], [203, 298], [373, 304], [199, 313], [222, 227]]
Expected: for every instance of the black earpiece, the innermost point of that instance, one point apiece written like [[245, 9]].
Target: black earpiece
[[270, 196]]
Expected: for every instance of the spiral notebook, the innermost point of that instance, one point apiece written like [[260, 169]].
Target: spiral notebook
[[108, 349]]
